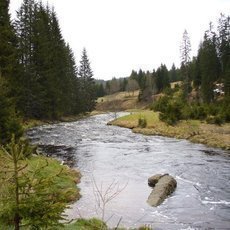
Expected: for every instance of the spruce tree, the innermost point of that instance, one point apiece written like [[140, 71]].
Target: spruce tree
[[173, 74], [9, 123], [223, 41], [185, 59], [7, 42], [72, 84], [209, 65], [162, 78], [87, 85], [28, 101]]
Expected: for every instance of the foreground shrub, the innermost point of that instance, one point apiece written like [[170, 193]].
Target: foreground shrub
[[34, 190]]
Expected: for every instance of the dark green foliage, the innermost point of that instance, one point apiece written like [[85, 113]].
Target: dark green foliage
[[161, 104], [218, 120], [34, 190], [7, 42], [174, 74], [9, 122], [223, 45], [124, 84], [195, 71], [48, 64], [142, 122], [199, 112], [209, 66], [162, 78], [173, 112], [87, 84], [174, 108], [100, 91], [48, 85]]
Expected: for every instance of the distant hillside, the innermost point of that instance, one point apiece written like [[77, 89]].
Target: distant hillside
[[120, 101]]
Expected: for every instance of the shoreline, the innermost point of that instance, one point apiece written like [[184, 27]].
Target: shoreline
[[30, 123], [192, 130]]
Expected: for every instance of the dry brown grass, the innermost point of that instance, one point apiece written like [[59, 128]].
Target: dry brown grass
[[119, 102], [193, 130]]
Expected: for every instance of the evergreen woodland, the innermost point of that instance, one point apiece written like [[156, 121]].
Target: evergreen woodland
[[202, 82], [38, 74]]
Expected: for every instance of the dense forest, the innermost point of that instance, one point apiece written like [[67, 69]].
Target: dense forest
[[39, 78]]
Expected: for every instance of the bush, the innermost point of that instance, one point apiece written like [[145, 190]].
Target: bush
[[142, 122], [161, 104], [33, 187], [173, 112], [175, 108], [217, 120]]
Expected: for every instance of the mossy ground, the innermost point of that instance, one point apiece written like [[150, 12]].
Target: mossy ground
[[86, 224], [193, 130], [96, 224], [66, 180]]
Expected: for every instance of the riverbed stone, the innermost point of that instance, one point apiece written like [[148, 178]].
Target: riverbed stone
[[163, 188], [153, 180]]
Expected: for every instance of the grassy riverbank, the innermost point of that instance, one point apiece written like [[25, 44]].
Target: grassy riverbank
[[35, 188], [192, 130]]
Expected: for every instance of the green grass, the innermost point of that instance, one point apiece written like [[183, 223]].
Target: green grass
[[150, 116], [131, 120], [47, 187], [96, 224], [86, 224], [64, 177], [193, 130]]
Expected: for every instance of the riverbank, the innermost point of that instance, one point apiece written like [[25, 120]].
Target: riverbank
[[39, 182], [192, 130], [30, 123]]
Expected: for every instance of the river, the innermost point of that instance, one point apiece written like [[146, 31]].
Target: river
[[115, 159]]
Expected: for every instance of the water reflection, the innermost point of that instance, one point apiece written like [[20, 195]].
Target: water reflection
[[201, 200]]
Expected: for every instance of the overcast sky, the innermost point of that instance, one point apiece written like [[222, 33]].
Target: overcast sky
[[121, 35]]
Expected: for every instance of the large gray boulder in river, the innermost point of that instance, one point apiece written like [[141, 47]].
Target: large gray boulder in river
[[163, 186]]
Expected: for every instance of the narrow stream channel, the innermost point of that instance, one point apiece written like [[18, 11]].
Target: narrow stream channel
[[108, 154]]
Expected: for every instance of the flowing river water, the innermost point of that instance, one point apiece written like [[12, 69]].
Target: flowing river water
[[114, 158]]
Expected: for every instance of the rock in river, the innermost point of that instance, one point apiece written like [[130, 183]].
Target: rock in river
[[163, 186]]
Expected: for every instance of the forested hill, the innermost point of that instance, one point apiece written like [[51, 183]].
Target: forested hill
[[198, 89], [38, 74]]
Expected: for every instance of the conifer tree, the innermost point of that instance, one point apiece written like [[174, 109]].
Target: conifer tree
[[34, 190], [173, 74], [223, 46], [8, 65], [9, 122], [209, 65], [7, 42], [87, 85], [185, 59], [72, 84], [28, 100], [162, 78]]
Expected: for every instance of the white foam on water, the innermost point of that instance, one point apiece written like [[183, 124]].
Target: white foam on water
[[216, 202]]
